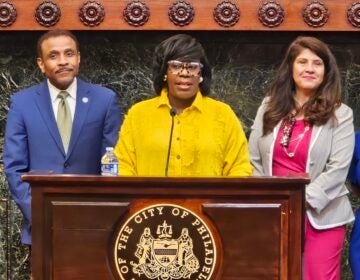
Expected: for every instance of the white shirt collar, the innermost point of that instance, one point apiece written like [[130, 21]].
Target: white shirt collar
[[54, 91]]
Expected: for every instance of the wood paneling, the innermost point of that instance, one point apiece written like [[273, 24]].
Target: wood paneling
[[203, 17]]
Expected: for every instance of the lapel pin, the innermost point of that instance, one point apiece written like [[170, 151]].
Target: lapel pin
[[85, 100]]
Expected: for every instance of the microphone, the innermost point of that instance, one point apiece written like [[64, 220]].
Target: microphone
[[172, 114]]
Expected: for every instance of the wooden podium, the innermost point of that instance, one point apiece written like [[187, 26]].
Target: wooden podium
[[93, 227]]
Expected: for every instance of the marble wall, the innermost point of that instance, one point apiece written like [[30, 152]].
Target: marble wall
[[243, 65]]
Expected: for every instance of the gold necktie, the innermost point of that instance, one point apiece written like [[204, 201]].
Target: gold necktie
[[64, 121]]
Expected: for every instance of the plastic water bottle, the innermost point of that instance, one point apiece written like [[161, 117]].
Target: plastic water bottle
[[109, 163]]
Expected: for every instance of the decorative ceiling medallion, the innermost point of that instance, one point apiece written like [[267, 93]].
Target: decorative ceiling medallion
[[47, 13], [136, 13], [315, 14], [353, 14], [181, 13], [271, 14], [7, 14], [226, 14], [92, 13]]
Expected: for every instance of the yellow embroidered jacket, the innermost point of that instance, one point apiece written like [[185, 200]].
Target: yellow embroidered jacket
[[208, 140]]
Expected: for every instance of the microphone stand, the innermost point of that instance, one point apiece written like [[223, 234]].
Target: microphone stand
[[172, 114]]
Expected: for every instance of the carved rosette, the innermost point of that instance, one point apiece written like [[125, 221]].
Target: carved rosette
[[136, 13], [271, 14], [47, 13], [92, 13], [7, 14], [315, 14], [353, 14], [226, 14], [181, 13]]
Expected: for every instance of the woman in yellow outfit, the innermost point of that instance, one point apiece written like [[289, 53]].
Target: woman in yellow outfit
[[182, 132]]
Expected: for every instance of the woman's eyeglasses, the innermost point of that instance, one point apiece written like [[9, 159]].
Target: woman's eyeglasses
[[193, 68]]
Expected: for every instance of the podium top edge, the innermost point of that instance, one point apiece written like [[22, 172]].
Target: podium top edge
[[33, 177]]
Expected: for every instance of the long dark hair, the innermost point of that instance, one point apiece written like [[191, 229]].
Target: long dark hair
[[321, 106], [184, 47]]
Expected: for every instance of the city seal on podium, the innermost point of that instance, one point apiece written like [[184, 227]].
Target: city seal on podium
[[164, 242]]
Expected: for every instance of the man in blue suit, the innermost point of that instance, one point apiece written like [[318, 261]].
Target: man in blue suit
[[354, 178], [33, 136]]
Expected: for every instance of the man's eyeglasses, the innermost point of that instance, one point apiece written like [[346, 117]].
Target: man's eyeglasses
[[193, 68]]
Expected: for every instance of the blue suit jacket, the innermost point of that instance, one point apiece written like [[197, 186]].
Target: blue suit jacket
[[32, 139], [354, 171], [354, 177]]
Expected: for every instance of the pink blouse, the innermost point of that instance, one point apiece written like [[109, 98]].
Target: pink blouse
[[293, 158]]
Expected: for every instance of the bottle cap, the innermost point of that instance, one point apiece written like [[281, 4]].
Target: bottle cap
[[109, 149]]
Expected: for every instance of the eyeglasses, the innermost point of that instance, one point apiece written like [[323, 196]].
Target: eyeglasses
[[193, 68]]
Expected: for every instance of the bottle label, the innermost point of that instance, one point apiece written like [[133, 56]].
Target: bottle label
[[109, 169]]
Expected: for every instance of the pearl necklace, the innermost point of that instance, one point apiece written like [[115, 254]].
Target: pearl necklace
[[298, 139]]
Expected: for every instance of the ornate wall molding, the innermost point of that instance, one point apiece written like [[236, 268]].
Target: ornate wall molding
[[315, 14], [92, 13], [226, 14], [47, 13], [353, 14], [7, 14], [136, 13], [181, 13], [172, 15], [271, 14]]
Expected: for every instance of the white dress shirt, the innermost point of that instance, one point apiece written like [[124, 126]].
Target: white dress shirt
[[71, 99]]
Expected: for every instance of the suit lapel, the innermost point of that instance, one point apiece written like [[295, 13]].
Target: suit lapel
[[314, 136], [43, 102], [83, 102]]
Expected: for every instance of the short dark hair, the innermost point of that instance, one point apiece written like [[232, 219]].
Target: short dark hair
[[185, 48], [55, 33]]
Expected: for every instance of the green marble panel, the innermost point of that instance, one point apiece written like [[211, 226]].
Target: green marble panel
[[243, 64], [3, 239], [14, 257], [19, 254]]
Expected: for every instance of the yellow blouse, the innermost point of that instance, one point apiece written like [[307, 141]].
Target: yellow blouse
[[208, 140]]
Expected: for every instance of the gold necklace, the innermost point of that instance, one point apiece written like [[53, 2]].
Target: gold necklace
[[299, 138]]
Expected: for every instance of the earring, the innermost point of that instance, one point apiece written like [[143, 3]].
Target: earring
[[165, 78], [201, 80]]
